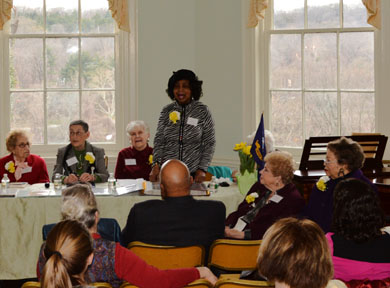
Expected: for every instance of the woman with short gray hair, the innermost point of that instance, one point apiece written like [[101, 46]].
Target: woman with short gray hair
[[135, 161]]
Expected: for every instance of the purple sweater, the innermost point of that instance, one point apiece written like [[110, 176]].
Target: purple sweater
[[291, 205]]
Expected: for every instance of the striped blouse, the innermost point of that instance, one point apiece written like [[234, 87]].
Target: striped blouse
[[191, 139]]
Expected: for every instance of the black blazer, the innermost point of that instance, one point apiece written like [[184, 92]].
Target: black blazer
[[176, 221]]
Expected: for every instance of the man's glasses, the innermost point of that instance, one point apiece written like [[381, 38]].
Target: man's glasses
[[78, 133], [23, 145]]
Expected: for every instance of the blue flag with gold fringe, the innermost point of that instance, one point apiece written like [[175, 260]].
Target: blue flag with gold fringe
[[258, 149]]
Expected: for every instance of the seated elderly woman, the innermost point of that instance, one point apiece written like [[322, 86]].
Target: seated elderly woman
[[359, 248], [272, 198], [20, 165], [294, 254], [112, 262], [135, 161], [69, 250], [344, 158]]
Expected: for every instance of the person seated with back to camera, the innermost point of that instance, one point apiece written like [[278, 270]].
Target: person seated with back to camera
[[80, 161], [273, 197], [294, 254], [359, 248], [178, 219], [20, 165], [135, 161], [112, 262], [69, 252]]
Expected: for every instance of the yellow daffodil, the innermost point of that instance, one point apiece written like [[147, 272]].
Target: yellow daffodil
[[151, 159], [10, 167], [321, 183], [90, 157], [239, 146], [247, 150], [174, 116], [251, 197]]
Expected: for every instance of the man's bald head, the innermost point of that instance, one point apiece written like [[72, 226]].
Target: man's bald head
[[175, 179]]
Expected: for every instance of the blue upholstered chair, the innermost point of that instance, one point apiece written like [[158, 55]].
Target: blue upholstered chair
[[108, 228]]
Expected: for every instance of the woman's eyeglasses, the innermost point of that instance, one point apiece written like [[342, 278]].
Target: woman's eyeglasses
[[23, 145]]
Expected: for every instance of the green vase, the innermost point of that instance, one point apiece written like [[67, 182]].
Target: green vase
[[246, 181]]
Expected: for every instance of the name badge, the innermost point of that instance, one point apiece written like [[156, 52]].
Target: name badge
[[26, 170], [240, 225], [192, 121], [130, 162], [276, 198], [72, 161]]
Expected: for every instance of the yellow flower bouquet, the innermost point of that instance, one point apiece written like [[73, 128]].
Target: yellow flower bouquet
[[247, 163]]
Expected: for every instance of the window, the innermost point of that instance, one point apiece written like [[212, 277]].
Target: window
[[321, 69], [62, 67]]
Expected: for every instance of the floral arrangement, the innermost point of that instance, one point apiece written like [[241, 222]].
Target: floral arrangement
[[150, 159], [321, 183], [251, 198], [174, 116], [10, 167], [246, 160], [90, 157]]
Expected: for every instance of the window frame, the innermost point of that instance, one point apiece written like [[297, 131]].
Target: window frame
[[260, 52], [126, 90]]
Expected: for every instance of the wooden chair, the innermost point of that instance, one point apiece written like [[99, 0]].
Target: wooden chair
[[238, 283], [31, 284], [234, 255], [169, 257], [200, 283], [106, 161], [101, 285]]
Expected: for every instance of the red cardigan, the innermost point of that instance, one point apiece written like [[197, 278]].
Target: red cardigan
[[38, 173], [140, 170]]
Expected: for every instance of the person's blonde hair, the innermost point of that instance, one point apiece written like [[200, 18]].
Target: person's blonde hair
[[12, 138], [79, 203], [295, 252], [67, 249], [281, 163]]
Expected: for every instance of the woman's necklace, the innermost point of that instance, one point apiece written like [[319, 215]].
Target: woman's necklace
[[80, 162]]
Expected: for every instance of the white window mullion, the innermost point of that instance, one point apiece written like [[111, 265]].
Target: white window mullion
[[338, 84]]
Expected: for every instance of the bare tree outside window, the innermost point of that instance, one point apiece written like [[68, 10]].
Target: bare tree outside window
[[62, 68], [321, 70]]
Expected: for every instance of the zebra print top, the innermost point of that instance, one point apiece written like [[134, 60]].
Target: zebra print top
[[191, 139]]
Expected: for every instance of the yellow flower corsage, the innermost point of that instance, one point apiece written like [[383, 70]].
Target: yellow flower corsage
[[90, 157], [321, 183], [10, 167], [251, 197], [174, 116], [150, 159]]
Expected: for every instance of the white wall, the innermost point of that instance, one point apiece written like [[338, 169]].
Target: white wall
[[201, 35]]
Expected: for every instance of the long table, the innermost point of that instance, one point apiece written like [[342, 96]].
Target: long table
[[21, 221]]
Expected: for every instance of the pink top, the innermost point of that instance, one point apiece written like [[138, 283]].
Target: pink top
[[347, 269]]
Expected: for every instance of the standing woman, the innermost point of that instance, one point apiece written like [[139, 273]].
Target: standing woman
[[135, 161], [20, 165], [185, 128], [69, 251]]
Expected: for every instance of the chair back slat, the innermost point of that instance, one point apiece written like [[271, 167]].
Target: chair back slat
[[169, 257], [239, 283], [234, 255]]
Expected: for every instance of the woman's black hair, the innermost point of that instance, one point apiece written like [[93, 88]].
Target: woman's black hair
[[357, 215], [184, 74]]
